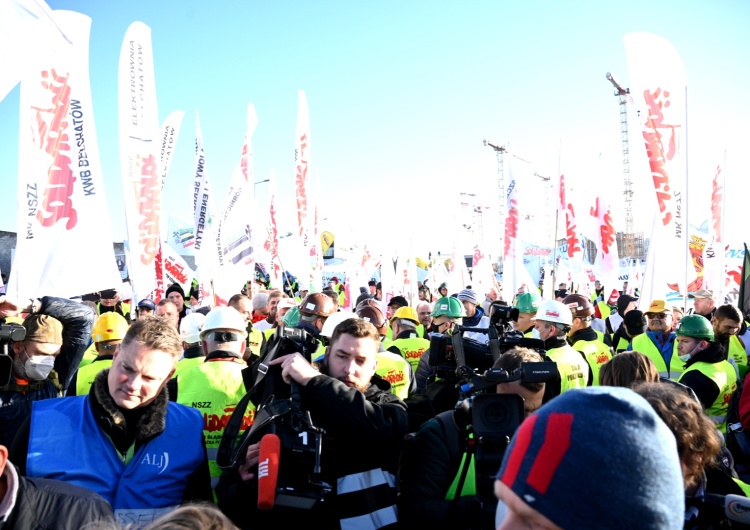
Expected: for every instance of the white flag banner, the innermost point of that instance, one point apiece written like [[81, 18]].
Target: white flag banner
[[482, 275], [515, 275], [316, 252], [64, 245], [169, 133], [714, 274], [305, 212], [234, 232], [607, 258], [139, 129], [388, 280], [271, 246], [660, 90], [204, 238], [181, 236], [176, 269], [28, 31]]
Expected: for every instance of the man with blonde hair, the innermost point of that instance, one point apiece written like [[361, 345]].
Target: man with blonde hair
[[124, 440]]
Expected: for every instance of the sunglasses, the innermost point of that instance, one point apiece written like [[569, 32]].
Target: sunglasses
[[657, 316]]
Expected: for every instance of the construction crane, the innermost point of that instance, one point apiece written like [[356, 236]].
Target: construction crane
[[500, 150], [623, 95]]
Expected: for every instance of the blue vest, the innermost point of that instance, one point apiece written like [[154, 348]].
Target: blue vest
[[65, 443]]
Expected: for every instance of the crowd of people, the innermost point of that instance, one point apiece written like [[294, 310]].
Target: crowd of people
[[446, 411]]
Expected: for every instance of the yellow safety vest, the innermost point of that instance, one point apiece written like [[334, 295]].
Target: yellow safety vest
[[255, 341], [185, 364], [392, 368], [412, 349], [738, 353], [214, 388], [86, 375], [643, 344], [621, 345], [724, 376], [596, 354], [604, 309], [88, 356], [573, 373], [420, 331]]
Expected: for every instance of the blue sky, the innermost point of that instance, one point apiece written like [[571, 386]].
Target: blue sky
[[402, 94]]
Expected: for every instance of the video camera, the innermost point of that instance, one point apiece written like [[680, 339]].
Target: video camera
[[449, 351], [290, 444], [9, 333], [492, 418]]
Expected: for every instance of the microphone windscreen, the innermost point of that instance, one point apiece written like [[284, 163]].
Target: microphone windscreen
[[268, 470]]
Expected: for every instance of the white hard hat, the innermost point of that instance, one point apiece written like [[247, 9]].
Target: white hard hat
[[334, 320], [224, 318], [554, 311], [191, 326]]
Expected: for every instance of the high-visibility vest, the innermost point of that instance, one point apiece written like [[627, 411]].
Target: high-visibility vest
[[89, 355], [255, 341], [643, 344], [570, 364], [596, 354], [86, 375], [185, 364], [724, 376], [738, 353], [214, 388], [604, 309], [392, 368], [412, 349]]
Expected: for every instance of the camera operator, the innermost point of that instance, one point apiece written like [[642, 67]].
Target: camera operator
[[434, 458], [364, 426], [553, 320], [57, 333], [448, 313]]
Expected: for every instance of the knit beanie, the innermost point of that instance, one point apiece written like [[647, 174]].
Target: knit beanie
[[469, 295], [175, 287], [597, 458]]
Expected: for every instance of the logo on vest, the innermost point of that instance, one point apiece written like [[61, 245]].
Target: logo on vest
[[161, 462]]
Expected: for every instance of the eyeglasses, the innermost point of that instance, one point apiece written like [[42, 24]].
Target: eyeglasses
[[657, 316]]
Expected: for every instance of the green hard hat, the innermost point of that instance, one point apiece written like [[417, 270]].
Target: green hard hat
[[695, 326], [449, 307], [291, 318], [528, 302]]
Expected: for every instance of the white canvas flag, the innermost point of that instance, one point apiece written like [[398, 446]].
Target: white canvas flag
[[64, 245], [139, 158], [660, 90]]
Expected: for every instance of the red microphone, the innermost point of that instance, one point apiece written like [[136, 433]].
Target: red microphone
[[268, 470]]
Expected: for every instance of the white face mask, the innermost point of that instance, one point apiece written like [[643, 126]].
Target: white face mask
[[535, 334], [38, 368]]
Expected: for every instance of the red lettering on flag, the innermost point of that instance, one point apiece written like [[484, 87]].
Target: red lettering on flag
[[53, 139]]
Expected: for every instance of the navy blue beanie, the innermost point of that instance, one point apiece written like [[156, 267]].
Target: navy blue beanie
[[597, 458]]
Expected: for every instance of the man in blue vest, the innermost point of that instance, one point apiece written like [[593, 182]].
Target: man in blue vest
[[124, 440]]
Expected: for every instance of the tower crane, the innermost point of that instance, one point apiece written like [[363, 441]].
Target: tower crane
[[623, 95]]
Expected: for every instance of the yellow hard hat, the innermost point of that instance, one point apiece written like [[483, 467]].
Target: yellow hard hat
[[109, 326], [406, 313]]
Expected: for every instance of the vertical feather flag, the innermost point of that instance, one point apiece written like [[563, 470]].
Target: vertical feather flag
[[64, 242]]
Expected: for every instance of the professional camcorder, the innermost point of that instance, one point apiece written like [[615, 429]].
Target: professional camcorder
[[290, 444], [449, 351], [9, 333], [492, 419]]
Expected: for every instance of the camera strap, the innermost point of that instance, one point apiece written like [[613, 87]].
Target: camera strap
[[458, 349]]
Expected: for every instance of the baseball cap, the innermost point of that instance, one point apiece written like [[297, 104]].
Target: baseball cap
[[659, 306], [624, 301], [702, 293], [148, 304], [43, 328]]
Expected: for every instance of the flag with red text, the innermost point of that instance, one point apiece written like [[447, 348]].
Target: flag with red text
[[659, 89], [204, 236], [139, 159], [714, 275], [305, 211], [64, 244]]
